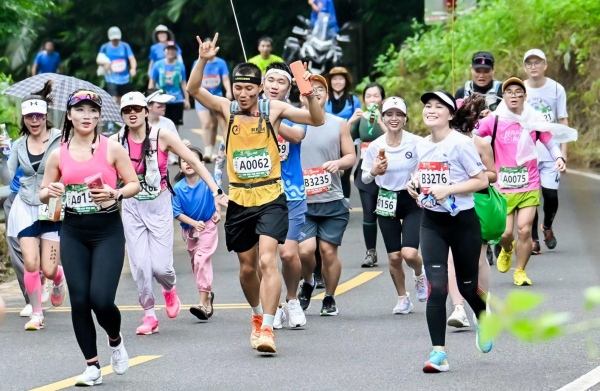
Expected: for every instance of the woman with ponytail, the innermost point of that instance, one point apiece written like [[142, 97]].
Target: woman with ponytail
[[28, 220]]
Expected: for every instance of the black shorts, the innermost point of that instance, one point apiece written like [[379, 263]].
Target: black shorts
[[118, 89], [398, 234], [174, 112], [244, 225]]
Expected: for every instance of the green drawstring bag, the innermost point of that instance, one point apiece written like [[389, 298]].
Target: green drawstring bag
[[491, 209]]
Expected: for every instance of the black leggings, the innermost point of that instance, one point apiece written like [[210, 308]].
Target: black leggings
[[92, 249], [369, 203], [441, 232], [550, 208]]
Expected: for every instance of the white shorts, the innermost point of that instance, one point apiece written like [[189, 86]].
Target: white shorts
[[549, 175]]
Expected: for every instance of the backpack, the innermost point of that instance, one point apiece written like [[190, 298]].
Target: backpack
[[496, 85], [263, 113]]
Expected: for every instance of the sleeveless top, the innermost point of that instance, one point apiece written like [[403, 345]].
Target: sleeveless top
[[135, 154], [253, 164]]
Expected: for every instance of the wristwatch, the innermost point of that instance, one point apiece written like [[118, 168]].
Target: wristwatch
[[218, 192], [119, 196]]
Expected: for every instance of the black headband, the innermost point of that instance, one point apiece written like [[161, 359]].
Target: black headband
[[247, 79]]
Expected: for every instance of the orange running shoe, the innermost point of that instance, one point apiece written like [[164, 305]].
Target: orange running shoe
[[255, 334], [266, 342]]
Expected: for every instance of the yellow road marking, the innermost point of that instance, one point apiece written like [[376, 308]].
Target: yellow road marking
[[351, 284], [67, 383]]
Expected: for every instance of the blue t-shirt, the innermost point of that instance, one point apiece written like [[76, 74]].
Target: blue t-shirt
[[196, 202], [168, 77], [15, 185], [119, 62], [348, 109], [213, 75], [291, 169], [47, 63], [157, 51], [327, 7]]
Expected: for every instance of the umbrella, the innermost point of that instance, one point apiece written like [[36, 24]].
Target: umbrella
[[62, 88]]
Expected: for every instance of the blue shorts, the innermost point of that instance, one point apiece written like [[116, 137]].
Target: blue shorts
[[297, 218], [199, 107]]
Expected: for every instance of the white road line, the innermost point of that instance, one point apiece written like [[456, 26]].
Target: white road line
[[585, 382], [583, 173]]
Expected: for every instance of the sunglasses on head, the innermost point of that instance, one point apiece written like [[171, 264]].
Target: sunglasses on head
[[35, 116], [84, 95], [132, 109], [483, 61]]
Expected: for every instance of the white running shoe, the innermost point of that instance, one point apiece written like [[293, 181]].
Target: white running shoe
[[458, 319], [119, 358], [404, 306], [296, 315], [36, 322], [421, 287], [45, 292], [279, 318], [27, 311], [91, 377]]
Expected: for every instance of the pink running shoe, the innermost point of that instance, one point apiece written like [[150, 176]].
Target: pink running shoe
[[57, 296], [172, 301], [149, 326]]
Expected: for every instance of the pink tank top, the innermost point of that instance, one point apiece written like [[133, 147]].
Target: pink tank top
[[135, 152], [74, 172]]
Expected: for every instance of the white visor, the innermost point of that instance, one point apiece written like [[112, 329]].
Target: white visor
[[34, 106], [159, 97]]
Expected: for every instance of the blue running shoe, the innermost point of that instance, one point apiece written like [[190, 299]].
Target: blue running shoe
[[437, 362], [482, 345]]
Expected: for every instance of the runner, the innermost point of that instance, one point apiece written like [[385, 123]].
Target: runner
[[391, 159], [327, 7], [449, 220], [38, 237], [169, 75], [328, 149], [518, 177], [366, 127], [265, 56], [160, 36], [92, 240], [548, 97], [194, 207], [46, 61], [257, 212], [148, 218], [215, 80], [482, 81], [157, 100], [122, 66]]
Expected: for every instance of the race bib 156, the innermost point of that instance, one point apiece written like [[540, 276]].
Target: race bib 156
[[387, 201], [316, 180]]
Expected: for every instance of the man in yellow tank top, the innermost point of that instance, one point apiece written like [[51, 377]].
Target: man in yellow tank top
[[257, 214]]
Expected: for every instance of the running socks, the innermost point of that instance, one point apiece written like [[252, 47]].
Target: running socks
[[370, 235], [58, 279], [259, 311], [94, 364], [114, 343], [312, 281], [268, 320], [33, 286], [150, 312]]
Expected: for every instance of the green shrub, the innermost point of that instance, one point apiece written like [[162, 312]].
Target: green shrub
[[8, 109]]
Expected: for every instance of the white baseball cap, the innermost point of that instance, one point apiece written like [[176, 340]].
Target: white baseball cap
[[114, 33], [394, 103], [534, 52], [133, 99], [159, 96], [31, 106]]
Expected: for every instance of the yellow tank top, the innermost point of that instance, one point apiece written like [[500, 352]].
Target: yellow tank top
[[252, 160]]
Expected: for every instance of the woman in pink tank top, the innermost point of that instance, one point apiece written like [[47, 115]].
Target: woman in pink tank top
[[92, 239], [148, 218]]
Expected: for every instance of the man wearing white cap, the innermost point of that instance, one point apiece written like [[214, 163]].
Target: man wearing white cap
[[122, 65], [548, 97]]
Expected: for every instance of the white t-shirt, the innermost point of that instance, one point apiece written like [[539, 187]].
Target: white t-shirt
[[402, 161], [452, 160], [165, 123], [551, 101]]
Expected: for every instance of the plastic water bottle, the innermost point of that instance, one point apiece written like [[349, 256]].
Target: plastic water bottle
[[5, 148]]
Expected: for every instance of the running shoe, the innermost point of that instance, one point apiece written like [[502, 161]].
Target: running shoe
[[119, 359], [329, 307], [90, 377], [404, 306], [36, 322], [437, 362], [149, 326], [255, 333], [535, 247], [211, 310], [296, 316], [549, 237], [199, 311], [45, 292], [421, 287], [489, 254], [58, 293], [370, 259], [483, 345], [505, 259], [306, 291], [520, 278], [280, 317], [458, 319], [319, 282], [27, 311], [172, 301], [266, 340]]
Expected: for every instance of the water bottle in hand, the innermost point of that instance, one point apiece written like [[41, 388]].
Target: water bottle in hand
[[6, 142]]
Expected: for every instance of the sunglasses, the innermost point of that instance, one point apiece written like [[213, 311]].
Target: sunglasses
[[35, 116], [483, 61], [132, 109], [84, 95]]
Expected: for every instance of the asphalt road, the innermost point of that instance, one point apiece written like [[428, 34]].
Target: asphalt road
[[364, 348]]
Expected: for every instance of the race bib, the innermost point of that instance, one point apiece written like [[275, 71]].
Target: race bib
[[547, 113], [78, 198], [316, 180], [513, 177], [387, 201], [252, 163], [147, 192], [433, 173], [363, 149], [169, 77], [211, 81], [284, 148], [118, 66]]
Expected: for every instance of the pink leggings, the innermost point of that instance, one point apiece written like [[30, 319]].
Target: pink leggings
[[201, 250]]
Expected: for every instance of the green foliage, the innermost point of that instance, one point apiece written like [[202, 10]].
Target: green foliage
[[16, 15], [8, 110]]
